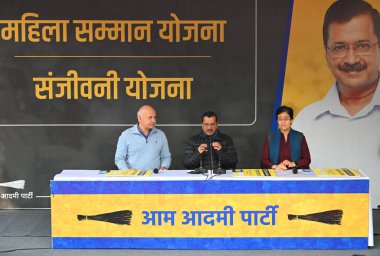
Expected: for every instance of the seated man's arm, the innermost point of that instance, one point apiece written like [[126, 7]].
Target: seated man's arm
[[228, 154], [121, 154], [166, 157], [191, 156]]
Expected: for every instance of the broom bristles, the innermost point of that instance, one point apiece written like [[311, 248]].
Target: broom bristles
[[333, 217], [119, 217], [18, 184]]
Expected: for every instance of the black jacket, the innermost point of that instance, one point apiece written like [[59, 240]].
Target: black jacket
[[227, 155]]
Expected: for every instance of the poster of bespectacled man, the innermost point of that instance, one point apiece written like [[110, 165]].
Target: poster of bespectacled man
[[332, 81]]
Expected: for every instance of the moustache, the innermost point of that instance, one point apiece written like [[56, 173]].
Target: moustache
[[353, 67]]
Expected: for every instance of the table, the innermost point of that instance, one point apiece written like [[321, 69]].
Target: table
[[177, 210]]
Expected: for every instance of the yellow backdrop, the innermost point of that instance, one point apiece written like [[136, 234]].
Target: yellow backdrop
[[307, 77]]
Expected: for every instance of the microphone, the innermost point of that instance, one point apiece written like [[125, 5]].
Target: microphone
[[219, 170], [200, 169], [155, 170], [209, 139], [295, 169]]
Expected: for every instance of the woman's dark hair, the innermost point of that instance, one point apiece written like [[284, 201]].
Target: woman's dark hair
[[285, 109]]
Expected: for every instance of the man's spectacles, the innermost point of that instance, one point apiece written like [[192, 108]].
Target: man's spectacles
[[360, 49], [283, 119]]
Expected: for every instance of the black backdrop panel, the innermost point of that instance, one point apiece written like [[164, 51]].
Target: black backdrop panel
[[39, 138]]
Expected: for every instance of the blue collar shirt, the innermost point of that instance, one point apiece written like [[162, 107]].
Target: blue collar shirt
[[137, 151]]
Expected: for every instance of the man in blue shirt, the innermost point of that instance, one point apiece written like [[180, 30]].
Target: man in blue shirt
[[143, 146]]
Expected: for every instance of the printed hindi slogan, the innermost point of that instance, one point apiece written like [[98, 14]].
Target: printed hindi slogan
[[74, 87], [32, 29], [226, 217]]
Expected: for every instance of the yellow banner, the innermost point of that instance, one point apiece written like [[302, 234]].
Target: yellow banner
[[291, 215]]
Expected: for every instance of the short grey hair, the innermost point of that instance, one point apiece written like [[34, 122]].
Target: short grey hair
[[140, 111]]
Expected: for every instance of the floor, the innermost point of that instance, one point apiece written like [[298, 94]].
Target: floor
[[28, 232]]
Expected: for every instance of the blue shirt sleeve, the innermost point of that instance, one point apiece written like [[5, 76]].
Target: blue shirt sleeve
[[166, 157], [122, 153]]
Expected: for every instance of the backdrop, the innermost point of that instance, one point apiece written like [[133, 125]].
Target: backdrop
[[70, 72], [73, 75]]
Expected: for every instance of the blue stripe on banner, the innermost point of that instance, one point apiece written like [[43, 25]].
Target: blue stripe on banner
[[210, 187], [336, 243], [281, 79]]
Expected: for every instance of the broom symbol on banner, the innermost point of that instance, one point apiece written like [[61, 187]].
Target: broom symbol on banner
[[18, 184], [333, 217], [120, 217]]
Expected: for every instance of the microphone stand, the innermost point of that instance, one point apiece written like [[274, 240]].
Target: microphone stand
[[200, 169], [211, 156], [220, 170]]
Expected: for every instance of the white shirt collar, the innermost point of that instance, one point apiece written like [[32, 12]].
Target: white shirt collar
[[331, 103]]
